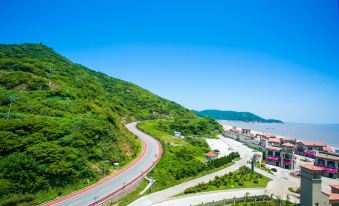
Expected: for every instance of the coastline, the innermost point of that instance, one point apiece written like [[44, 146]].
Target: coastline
[[325, 133]]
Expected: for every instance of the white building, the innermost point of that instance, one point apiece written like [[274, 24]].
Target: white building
[[177, 134]]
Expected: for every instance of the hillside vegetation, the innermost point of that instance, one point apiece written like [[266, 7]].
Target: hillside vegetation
[[182, 158], [62, 123], [236, 116]]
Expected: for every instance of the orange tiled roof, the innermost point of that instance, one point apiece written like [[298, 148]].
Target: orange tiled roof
[[277, 149], [311, 167], [288, 145], [333, 197], [335, 186], [275, 140], [319, 144], [211, 154], [327, 149]]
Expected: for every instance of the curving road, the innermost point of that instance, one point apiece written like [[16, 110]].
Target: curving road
[[163, 195], [151, 152]]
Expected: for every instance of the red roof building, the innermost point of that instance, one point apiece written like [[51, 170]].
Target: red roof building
[[333, 197], [275, 141], [329, 162], [327, 149], [309, 148], [311, 167], [211, 154], [271, 148], [288, 140], [288, 145], [312, 144]]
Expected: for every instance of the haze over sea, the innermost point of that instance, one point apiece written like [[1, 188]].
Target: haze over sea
[[325, 133]]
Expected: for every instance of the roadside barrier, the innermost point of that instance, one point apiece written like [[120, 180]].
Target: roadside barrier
[[126, 189], [260, 198]]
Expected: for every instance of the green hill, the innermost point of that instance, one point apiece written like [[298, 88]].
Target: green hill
[[62, 124], [236, 116]]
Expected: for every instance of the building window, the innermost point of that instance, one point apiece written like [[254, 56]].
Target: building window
[[270, 153], [287, 156], [316, 176], [277, 154], [288, 150], [321, 162], [330, 164], [316, 204]]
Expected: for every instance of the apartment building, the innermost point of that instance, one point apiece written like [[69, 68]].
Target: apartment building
[[309, 149], [328, 162]]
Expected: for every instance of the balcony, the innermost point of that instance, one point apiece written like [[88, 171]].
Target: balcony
[[309, 153], [287, 161], [330, 169], [273, 158]]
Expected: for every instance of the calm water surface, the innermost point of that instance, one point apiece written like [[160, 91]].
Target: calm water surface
[[326, 133]]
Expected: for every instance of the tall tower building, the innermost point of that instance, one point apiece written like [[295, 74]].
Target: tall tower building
[[310, 187]]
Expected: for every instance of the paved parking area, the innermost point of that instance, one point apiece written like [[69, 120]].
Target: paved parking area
[[218, 144]]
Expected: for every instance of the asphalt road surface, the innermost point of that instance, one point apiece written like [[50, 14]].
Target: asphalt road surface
[[151, 152]]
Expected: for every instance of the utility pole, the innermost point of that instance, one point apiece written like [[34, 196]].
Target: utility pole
[[252, 165]]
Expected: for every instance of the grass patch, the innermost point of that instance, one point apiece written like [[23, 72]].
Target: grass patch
[[262, 167], [242, 178], [294, 190]]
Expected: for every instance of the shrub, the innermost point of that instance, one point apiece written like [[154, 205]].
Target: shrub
[[241, 182]]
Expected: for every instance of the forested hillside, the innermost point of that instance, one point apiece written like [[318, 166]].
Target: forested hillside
[[62, 124]]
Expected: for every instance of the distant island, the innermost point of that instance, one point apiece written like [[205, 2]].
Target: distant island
[[235, 116]]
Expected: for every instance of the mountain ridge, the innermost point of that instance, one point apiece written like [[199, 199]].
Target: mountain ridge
[[234, 115]]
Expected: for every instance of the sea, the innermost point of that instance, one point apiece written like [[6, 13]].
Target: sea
[[325, 133]]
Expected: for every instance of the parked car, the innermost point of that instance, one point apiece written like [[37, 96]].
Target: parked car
[[273, 170]]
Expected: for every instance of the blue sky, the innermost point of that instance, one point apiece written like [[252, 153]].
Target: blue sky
[[278, 59]]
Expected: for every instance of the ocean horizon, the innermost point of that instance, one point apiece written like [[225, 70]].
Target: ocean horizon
[[325, 133]]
